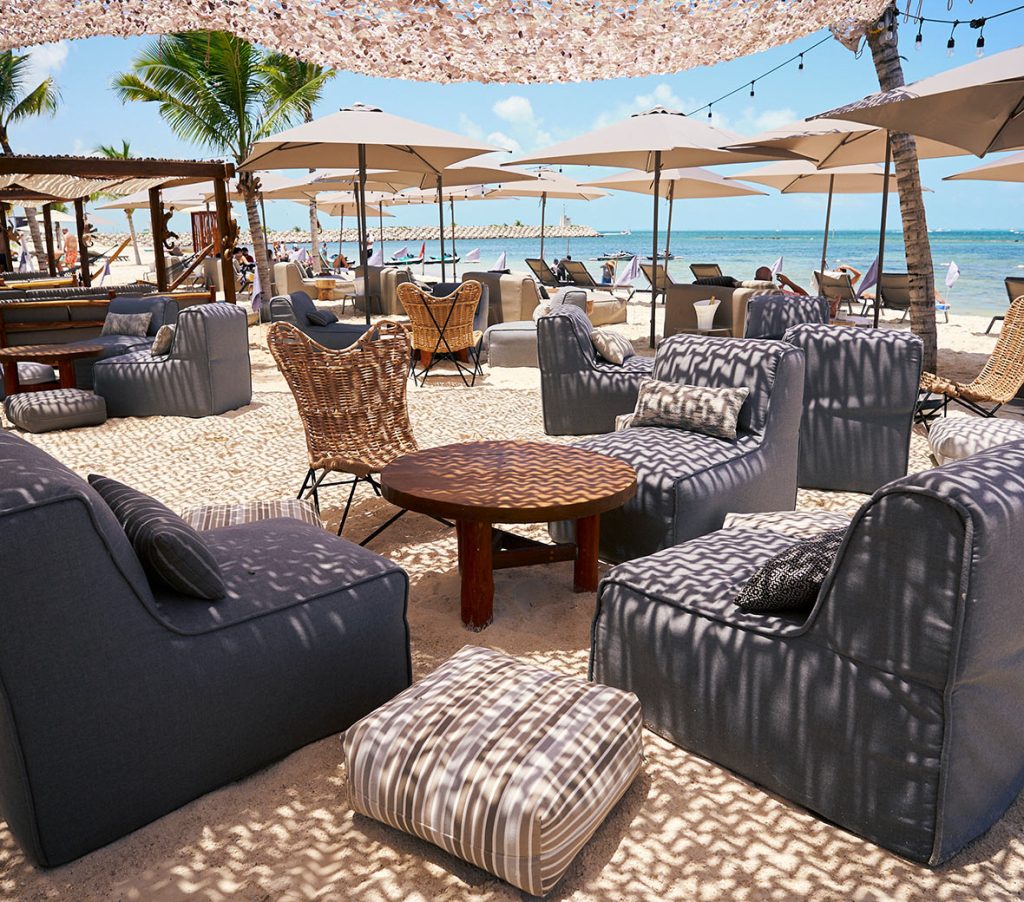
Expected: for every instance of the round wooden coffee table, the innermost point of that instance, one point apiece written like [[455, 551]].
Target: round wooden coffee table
[[62, 357], [478, 484]]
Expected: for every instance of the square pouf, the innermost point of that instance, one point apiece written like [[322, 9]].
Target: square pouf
[[503, 764], [512, 344], [954, 438], [215, 516], [59, 408]]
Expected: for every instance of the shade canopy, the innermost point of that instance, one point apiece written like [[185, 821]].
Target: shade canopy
[[1007, 169], [551, 185], [312, 188], [343, 203], [268, 181], [978, 107], [474, 172], [179, 198], [831, 143], [691, 182], [803, 177], [633, 143], [388, 142], [414, 196]]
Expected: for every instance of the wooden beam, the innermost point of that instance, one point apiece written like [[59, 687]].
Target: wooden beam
[[51, 260], [220, 193], [83, 251], [102, 168], [199, 258], [156, 218]]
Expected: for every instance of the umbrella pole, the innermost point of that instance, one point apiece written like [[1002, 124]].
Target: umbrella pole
[[881, 228], [543, 208], [828, 220], [440, 219], [380, 220], [341, 230], [668, 230], [362, 225], [654, 239], [455, 253]]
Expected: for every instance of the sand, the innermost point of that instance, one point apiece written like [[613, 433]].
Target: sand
[[686, 830]]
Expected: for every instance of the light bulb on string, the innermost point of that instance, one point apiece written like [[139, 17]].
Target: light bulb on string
[[979, 47], [951, 43], [918, 41], [751, 89], [709, 111], [801, 66]]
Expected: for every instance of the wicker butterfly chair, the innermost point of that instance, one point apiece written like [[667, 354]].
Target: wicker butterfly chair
[[998, 382], [352, 404], [443, 328]]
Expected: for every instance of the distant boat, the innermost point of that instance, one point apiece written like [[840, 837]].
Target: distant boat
[[661, 257], [618, 255], [409, 258], [436, 261], [626, 232]]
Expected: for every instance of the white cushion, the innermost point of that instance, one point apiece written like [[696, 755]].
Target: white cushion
[[799, 524], [954, 438], [214, 516], [499, 762]]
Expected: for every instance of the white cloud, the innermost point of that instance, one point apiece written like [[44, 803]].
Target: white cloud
[[774, 118], [46, 60], [526, 126], [506, 142], [470, 127], [661, 95], [515, 109]]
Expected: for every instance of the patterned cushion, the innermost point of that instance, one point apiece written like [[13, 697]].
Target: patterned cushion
[[167, 546], [214, 516], [499, 762], [163, 341], [696, 408], [791, 579], [321, 318], [799, 524], [954, 438], [135, 325], [612, 346]]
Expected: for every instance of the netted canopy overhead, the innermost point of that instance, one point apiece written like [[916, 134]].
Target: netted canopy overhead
[[461, 40]]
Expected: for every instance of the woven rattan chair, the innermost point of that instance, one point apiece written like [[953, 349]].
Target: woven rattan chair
[[999, 380], [443, 328], [1014, 290], [352, 404]]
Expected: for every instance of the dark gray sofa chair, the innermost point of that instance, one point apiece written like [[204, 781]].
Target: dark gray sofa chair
[[687, 481], [123, 701], [581, 394], [860, 392], [893, 708], [295, 309], [206, 372], [770, 315]]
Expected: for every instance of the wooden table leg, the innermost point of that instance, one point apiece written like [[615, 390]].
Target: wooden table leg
[[588, 532], [11, 385], [476, 570], [66, 369]]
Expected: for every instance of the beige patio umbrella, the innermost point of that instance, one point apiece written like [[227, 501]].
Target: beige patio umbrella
[[334, 203], [690, 182], [654, 140], [1008, 169], [363, 137], [179, 198], [978, 107], [548, 184], [803, 177]]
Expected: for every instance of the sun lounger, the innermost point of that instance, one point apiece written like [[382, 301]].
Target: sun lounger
[[838, 288], [665, 281], [1014, 290], [539, 267], [580, 277], [705, 270]]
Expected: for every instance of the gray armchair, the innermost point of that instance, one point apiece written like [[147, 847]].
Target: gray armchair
[[296, 309], [687, 481], [770, 315], [860, 393], [124, 700], [580, 393], [205, 373], [893, 707]]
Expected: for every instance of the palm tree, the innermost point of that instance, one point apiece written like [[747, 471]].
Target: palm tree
[[124, 152], [17, 104], [288, 76], [219, 91], [882, 39]]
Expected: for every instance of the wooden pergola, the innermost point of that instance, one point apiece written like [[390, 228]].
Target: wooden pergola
[[119, 176]]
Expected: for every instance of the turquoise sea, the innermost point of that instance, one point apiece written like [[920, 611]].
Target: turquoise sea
[[985, 258]]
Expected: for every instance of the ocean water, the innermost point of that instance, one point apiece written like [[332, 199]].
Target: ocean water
[[985, 258]]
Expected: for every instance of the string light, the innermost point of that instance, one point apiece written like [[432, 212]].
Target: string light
[[979, 51], [751, 89], [951, 43], [801, 66], [918, 39]]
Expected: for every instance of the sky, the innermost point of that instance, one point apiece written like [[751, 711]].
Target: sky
[[526, 118]]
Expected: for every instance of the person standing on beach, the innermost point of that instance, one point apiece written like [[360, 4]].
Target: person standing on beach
[[70, 249]]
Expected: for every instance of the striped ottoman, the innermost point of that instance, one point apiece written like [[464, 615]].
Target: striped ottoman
[[215, 516], [508, 766]]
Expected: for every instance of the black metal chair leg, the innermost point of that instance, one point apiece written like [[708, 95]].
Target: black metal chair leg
[[373, 535], [348, 504]]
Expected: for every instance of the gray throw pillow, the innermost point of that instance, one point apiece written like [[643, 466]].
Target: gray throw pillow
[[163, 341], [696, 408], [791, 579], [135, 325], [321, 318], [612, 346], [167, 546]]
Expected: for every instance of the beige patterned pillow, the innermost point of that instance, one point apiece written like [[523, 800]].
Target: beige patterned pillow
[[696, 408], [612, 346], [163, 341], [135, 325], [499, 762]]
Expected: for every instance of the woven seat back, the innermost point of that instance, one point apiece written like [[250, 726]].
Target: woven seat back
[[352, 402], [451, 315], [1003, 374]]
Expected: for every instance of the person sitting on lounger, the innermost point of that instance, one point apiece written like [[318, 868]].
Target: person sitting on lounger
[[764, 274]]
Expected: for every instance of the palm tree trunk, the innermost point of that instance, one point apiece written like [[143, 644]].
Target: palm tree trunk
[[259, 244], [314, 235], [885, 54], [135, 240], [37, 238]]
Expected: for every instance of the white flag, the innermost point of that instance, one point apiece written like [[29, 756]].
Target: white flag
[[23, 258], [499, 264], [630, 273], [473, 256], [401, 253], [952, 274], [257, 291], [106, 271], [870, 278], [776, 268], [377, 257]]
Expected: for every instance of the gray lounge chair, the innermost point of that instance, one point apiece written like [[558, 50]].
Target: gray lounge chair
[[1014, 290], [837, 288], [539, 267], [893, 707], [665, 281], [296, 309]]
